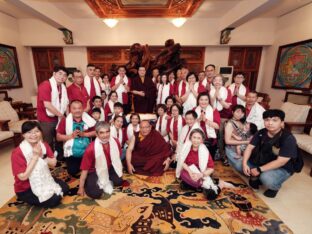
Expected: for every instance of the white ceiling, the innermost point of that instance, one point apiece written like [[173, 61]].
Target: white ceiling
[[12, 10], [215, 8], [209, 8], [286, 6], [74, 8]]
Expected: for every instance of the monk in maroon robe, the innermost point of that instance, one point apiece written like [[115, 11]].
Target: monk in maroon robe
[[148, 153], [144, 92]]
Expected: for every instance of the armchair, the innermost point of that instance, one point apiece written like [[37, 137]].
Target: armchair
[[304, 140], [299, 119], [6, 136], [15, 120]]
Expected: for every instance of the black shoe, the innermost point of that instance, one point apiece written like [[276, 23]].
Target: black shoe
[[254, 182], [185, 186], [270, 193], [210, 194], [217, 156]]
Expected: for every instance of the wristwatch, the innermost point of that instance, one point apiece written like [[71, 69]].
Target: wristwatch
[[259, 170]]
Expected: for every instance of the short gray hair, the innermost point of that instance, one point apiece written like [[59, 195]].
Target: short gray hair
[[101, 124]]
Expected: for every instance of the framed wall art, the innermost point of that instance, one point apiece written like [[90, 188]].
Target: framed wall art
[[10, 76], [293, 68]]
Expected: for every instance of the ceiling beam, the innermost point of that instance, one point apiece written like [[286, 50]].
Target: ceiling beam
[[244, 11], [47, 12]]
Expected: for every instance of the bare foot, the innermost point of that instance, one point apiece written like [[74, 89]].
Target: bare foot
[[222, 184]]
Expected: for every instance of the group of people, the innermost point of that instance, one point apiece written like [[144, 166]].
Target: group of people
[[198, 119]]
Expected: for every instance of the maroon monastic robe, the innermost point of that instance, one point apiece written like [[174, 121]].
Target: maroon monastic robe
[[149, 154], [144, 104]]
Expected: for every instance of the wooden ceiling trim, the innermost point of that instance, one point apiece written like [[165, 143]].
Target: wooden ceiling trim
[[115, 9]]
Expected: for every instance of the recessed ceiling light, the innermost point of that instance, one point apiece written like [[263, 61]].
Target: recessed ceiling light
[[111, 22], [178, 22]]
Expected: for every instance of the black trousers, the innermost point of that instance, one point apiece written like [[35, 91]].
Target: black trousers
[[49, 133], [49, 136], [73, 165], [29, 197], [126, 108], [91, 187]]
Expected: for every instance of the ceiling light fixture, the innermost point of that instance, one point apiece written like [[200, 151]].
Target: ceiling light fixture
[[178, 22], [111, 22]]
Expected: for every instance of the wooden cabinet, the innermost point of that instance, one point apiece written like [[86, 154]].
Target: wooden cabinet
[[45, 59], [247, 61]]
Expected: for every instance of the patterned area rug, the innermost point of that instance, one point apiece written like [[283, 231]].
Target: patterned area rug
[[147, 205]]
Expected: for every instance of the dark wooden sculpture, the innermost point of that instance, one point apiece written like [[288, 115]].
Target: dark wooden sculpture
[[166, 61], [169, 58]]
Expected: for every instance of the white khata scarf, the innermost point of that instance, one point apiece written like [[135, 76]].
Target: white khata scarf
[[241, 90], [184, 136], [255, 116], [130, 130], [41, 181], [203, 155], [205, 82], [102, 170], [102, 116], [191, 100], [87, 84], [223, 95], [180, 88], [163, 93], [180, 124], [60, 105], [163, 126], [121, 89], [111, 106], [211, 132], [113, 132], [89, 123]]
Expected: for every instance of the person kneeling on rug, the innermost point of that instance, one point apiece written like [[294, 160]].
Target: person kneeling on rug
[[75, 131], [272, 156], [34, 183], [101, 166], [195, 166]]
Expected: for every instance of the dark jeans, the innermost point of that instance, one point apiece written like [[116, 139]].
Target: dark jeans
[[272, 179], [91, 187], [29, 197], [73, 165]]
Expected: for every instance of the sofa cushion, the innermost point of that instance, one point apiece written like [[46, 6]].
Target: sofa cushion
[[5, 135], [7, 112], [16, 127], [304, 142], [295, 113]]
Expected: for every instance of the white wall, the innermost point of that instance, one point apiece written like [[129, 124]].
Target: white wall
[[9, 35], [76, 57], [195, 32], [217, 55], [291, 28]]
